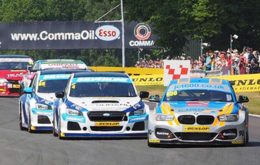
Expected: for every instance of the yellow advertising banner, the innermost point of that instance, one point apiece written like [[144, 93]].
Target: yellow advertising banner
[[145, 80], [244, 83], [128, 70]]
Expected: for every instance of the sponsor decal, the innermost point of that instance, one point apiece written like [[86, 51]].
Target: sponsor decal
[[154, 141], [16, 60], [143, 80], [224, 88], [142, 33], [108, 33], [133, 119], [106, 114], [196, 129], [197, 103], [54, 76], [61, 65], [107, 124], [237, 142], [15, 75], [101, 79]]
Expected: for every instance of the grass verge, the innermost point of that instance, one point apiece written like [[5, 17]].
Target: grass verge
[[253, 105]]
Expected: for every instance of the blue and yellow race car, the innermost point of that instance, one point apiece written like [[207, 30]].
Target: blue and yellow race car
[[197, 111]]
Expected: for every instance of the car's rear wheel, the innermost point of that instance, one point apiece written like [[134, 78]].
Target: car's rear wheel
[[53, 129]]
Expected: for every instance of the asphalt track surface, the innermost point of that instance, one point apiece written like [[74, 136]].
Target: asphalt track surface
[[21, 148]]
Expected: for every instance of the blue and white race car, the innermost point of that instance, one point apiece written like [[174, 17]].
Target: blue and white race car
[[97, 104], [36, 104], [199, 111]]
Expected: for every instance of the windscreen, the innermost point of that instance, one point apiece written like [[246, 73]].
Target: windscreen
[[198, 95], [13, 65], [107, 88], [52, 83]]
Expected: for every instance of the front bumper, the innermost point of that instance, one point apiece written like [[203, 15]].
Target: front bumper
[[41, 120], [82, 126], [230, 133]]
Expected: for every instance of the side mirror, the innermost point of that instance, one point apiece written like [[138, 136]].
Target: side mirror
[[29, 67], [154, 98], [232, 83], [243, 99], [59, 94], [27, 90], [144, 94]]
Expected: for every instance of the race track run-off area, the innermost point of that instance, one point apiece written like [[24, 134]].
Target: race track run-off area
[[21, 148]]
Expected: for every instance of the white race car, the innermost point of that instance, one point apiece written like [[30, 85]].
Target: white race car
[[36, 104], [97, 104]]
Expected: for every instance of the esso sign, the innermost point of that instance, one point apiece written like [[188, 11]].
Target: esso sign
[[107, 33]]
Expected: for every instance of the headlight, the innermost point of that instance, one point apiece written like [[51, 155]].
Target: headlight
[[43, 106], [137, 112], [164, 117], [2, 81], [74, 112], [228, 118]]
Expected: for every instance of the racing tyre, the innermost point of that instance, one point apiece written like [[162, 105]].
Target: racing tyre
[[246, 139], [30, 125], [20, 123], [59, 131], [53, 127]]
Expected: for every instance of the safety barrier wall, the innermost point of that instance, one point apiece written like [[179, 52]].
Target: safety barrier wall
[[129, 70], [152, 76], [243, 83]]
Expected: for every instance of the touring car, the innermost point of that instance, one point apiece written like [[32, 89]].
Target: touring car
[[12, 70], [98, 104], [52, 64], [199, 111], [36, 104]]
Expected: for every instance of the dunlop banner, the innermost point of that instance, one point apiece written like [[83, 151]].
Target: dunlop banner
[[145, 80], [244, 83], [129, 70]]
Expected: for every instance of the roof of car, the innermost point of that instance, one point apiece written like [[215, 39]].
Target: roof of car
[[47, 61], [14, 56], [62, 71], [100, 74], [201, 80]]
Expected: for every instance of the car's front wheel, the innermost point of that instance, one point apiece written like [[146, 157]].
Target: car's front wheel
[[54, 133], [30, 125], [21, 121]]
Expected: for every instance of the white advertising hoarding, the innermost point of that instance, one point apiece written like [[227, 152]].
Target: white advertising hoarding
[[176, 69]]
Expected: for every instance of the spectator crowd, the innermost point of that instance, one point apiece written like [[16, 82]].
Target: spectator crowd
[[228, 62], [144, 63]]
